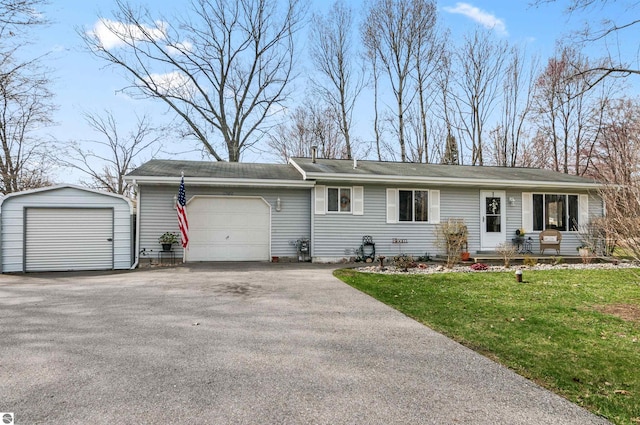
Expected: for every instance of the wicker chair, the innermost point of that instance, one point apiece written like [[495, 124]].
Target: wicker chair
[[550, 238]]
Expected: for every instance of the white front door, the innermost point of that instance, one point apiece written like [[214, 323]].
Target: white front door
[[493, 219]]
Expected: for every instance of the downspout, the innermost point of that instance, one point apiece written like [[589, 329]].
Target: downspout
[[137, 241]]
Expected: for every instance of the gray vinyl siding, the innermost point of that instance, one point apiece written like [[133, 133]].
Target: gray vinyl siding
[[12, 222], [338, 235], [158, 215]]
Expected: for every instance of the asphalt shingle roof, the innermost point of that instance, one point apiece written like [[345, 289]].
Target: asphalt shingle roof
[[364, 169], [216, 169], [407, 169]]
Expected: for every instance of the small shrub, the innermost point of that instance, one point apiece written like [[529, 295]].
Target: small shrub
[[479, 266], [507, 251], [530, 261], [451, 235], [404, 262], [557, 260]]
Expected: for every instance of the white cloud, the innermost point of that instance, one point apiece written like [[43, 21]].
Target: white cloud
[[173, 83], [480, 16], [177, 49], [112, 34]]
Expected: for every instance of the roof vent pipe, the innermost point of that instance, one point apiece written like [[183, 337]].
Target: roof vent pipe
[[355, 163], [314, 152]]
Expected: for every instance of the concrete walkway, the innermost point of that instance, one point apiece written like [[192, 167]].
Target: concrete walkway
[[241, 344]]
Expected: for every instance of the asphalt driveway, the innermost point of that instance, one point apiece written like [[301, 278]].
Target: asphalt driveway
[[241, 344]]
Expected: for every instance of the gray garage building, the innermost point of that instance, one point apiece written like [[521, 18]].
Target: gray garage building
[[63, 228]]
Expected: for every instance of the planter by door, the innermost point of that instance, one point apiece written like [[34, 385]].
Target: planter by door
[[166, 247]]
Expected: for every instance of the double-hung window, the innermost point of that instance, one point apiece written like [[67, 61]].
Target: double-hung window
[[413, 205], [339, 199], [555, 211]]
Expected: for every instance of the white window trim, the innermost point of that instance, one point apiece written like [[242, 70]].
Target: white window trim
[[393, 203], [582, 217]]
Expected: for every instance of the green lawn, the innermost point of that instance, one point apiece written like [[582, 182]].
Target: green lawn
[[558, 328]]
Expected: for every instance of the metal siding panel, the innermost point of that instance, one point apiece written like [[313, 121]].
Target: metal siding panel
[[13, 222], [157, 215], [58, 239]]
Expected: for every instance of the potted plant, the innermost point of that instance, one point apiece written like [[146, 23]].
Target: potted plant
[[167, 239]]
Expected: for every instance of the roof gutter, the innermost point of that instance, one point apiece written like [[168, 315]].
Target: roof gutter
[[136, 242], [451, 182], [226, 182]]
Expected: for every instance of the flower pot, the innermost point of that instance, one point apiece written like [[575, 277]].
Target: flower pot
[[464, 256], [166, 246]]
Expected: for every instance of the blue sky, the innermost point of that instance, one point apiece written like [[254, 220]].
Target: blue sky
[[82, 83]]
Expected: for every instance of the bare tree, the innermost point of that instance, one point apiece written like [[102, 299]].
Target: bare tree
[[24, 108], [616, 161], [332, 53], [18, 15], [393, 31], [372, 58], [450, 152], [517, 94], [428, 57], [621, 225], [616, 157], [224, 70], [25, 101], [309, 125], [107, 160], [480, 62], [610, 31], [566, 109]]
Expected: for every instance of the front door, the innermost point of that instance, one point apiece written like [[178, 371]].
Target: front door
[[493, 219]]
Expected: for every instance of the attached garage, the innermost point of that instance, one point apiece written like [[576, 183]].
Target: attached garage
[[227, 228], [65, 228]]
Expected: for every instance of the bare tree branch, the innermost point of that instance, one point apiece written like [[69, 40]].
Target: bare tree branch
[[107, 160], [332, 54], [395, 31], [224, 71], [25, 101]]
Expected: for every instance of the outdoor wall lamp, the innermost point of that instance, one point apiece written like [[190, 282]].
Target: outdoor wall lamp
[[512, 201], [278, 204], [175, 202]]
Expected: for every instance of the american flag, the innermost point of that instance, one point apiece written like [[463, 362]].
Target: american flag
[[182, 215]]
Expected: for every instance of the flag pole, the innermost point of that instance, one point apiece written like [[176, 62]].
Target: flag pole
[[183, 222]]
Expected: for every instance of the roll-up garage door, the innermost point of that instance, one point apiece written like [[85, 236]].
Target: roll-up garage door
[[228, 229], [58, 239]]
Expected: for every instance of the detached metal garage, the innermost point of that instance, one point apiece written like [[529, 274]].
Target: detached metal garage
[[63, 228]]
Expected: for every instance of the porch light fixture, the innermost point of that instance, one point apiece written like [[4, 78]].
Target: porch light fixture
[[278, 204], [175, 202], [512, 201]]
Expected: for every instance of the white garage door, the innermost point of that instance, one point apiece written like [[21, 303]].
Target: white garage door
[[60, 239], [228, 229]]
